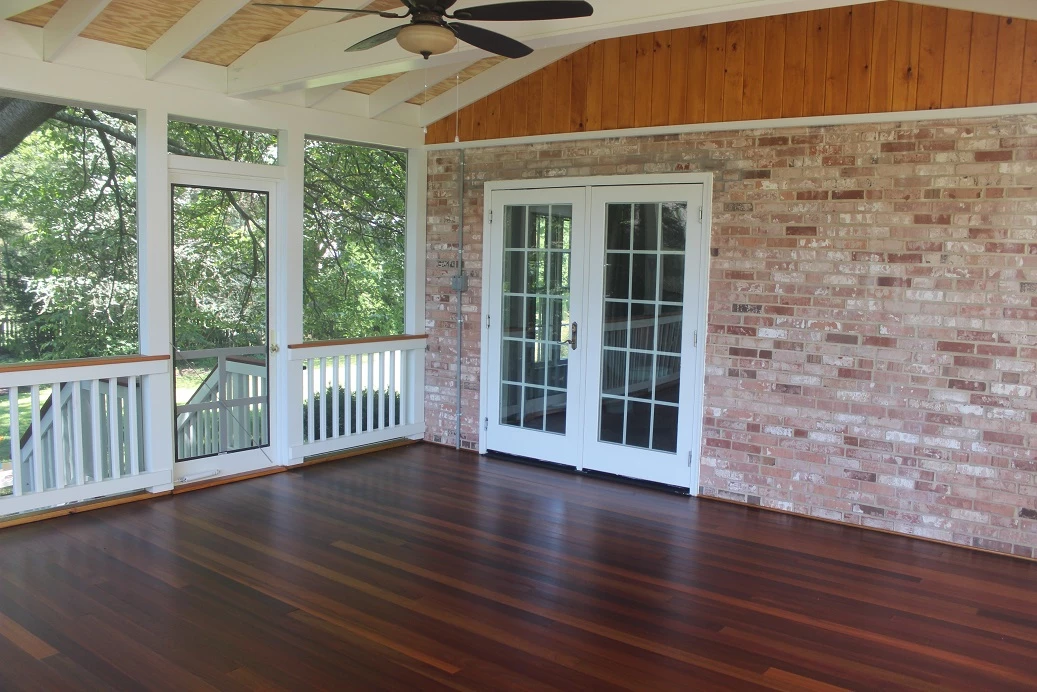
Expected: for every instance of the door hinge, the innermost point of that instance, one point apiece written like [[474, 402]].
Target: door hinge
[[491, 216], [690, 457], [700, 213], [487, 321], [486, 423], [695, 339]]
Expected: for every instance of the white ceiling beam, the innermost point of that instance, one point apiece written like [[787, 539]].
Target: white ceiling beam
[[312, 97], [407, 86], [189, 32], [316, 57], [1020, 9], [67, 23], [11, 8], [485, 83]]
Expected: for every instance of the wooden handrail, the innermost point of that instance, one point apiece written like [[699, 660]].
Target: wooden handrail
[[77, 363], [365, 340]]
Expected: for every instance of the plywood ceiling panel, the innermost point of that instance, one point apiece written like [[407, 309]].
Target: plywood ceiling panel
[[38, 16], [252, 25], [137, 23], [247, 27], [371, 85], [446, 85]]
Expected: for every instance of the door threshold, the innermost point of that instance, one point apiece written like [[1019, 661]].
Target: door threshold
[[531, 461], [567, 468], [640, 482]]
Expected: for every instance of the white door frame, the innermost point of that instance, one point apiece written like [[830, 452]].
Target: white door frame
[[698, 361], [269, 179]]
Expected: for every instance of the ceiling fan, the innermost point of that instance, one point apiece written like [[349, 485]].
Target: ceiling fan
[[429, 32]]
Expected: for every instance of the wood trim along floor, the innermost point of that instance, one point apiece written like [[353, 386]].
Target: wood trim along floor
[[79, 508], [948, 544]]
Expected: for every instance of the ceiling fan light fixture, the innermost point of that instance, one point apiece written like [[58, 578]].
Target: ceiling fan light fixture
[[426, 39]]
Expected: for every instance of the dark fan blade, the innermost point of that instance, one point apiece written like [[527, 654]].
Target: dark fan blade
[[376, 40], [530, 10], [490, 40], [329, 9]]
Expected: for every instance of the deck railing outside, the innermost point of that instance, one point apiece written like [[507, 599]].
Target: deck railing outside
[[229, 410]]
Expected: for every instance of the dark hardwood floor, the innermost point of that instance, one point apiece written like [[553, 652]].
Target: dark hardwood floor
[[422, 568]]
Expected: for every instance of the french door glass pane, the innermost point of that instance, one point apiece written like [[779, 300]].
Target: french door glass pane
[[220, 345], [535, 316], [644, 315]]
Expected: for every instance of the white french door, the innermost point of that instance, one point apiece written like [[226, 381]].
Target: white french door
[[534, 336], [594, 351]]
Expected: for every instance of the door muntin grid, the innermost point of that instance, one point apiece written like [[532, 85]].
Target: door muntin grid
[[645, 247], [535, 316]]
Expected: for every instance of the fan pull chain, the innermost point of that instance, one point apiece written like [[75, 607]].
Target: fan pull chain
[[424, 96], [457, 107]]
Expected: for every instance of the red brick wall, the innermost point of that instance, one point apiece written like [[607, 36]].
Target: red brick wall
[[872, 355]]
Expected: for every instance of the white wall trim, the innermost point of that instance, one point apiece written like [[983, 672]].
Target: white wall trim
[[416, 250], [777, 123]]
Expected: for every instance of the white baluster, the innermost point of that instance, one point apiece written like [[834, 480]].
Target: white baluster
[[78, 443], [392, 388], [381, 389], [370, 391], [58, 433], [16, 441], [95, 429], [310, 404], [113, 427], [37, 442], [134, 450], [323, 433], [334, 399], [358, 411]]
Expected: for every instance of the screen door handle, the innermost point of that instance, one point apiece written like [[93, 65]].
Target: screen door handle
[[572, 340]]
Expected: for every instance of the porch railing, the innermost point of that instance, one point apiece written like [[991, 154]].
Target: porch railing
[[356, 392], [76, 431]]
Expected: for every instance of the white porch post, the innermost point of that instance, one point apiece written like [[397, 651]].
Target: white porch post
[[156, 288], [417, 191], [286, 288]]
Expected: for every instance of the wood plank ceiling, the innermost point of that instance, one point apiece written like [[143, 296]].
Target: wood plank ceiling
[[878, 57], [882, 56], [249, 26]]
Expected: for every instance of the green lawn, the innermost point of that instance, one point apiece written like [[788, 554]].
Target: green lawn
[[187, 382], [24, 420]]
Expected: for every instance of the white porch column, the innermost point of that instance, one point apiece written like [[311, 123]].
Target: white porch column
[[286, 289], [417, 191], [155, 245]]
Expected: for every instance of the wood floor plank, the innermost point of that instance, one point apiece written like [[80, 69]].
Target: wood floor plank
[[426, 568]]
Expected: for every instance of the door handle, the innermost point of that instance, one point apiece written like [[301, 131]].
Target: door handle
[[572, 339]]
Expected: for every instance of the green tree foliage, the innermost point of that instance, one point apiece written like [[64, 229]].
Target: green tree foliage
[[219, 268], [354, 242], [68, 237], [223, 143]]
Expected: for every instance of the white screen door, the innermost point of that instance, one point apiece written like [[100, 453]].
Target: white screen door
[[221, 236], [533, 341], [596, 295]]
